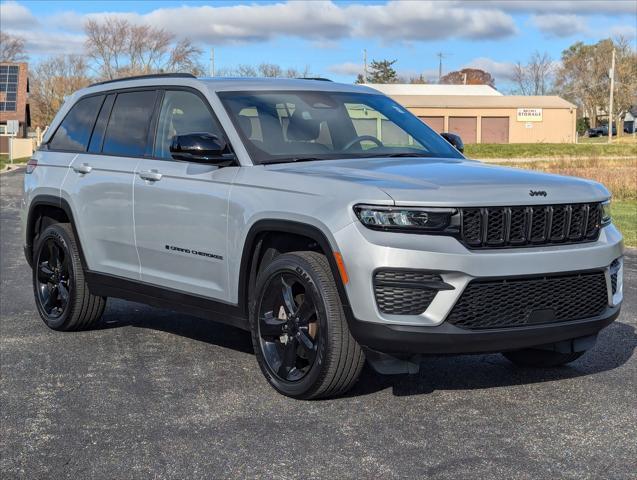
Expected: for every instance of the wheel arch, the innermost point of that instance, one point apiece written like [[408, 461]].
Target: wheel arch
[[53, 207], [253, 250]]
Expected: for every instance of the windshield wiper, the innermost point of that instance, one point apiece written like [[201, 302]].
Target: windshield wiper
[[292, 160], [406, 155]]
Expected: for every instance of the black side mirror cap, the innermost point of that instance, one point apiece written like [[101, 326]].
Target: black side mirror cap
[[454, 140], [201, 148]]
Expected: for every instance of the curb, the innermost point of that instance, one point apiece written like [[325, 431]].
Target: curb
[[12, 167]]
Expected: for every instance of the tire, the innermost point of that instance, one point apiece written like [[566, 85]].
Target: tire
[[531, 357], [301, 340], [62, 296]]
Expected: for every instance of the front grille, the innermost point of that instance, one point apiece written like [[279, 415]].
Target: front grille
[[406, 292], [528, 301], [494, 227]]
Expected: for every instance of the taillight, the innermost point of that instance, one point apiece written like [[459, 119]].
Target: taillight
[[31, 164]]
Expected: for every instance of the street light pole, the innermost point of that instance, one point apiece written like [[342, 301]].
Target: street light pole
[[610, 103]]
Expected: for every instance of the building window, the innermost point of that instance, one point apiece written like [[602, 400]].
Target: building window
[[9, 83]]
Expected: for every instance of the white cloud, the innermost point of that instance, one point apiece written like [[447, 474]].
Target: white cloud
[[321, 22], [46, 43], [627, 31], [599, 7], [425, 20], [15, 16], [316, 20], [347, 68], [559, 25], [499, 70]]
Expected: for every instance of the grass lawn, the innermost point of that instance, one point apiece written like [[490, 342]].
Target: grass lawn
[[589, 147], [619, 176], [625, 217], [4, 160]]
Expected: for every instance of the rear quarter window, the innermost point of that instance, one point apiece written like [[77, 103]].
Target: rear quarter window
[[74, 132]]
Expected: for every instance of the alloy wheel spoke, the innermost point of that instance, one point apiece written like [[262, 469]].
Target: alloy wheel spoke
[[47, 299], [63, 262], [305, 312], [288, 359], [270, 326], [305, 340], [288, 296], [63, 292], [54, 259], [44, 272]]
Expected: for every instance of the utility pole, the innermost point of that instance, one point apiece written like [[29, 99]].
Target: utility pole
[[364, 65], [440, 56], [212, 62], [610, 103]]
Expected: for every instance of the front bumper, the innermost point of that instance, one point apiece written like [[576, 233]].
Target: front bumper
[[406, 341], [366, 251]]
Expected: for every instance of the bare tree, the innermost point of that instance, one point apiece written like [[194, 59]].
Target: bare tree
[[51, 81], [268, 70], [536, 76], [11, 48], [120, 48]]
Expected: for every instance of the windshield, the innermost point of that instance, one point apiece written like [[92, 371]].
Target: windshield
[[286, 126]]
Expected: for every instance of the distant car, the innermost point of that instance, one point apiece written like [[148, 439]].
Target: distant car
[[600, 131]]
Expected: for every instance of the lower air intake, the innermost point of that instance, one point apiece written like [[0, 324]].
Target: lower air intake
[[507, 303]]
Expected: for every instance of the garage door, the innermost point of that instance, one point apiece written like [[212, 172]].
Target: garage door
[[465, 127], [435, 123], [495, 130]]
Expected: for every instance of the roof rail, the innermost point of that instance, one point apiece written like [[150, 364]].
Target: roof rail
[[320, 79], [139, 77]]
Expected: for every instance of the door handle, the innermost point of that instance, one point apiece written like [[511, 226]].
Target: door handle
[[83, 168], [150, 175]]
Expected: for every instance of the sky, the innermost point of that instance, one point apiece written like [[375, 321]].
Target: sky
[[329, 36]]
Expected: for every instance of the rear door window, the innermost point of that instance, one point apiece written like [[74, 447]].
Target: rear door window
[[74, 132], [100, 125], [127, 131]]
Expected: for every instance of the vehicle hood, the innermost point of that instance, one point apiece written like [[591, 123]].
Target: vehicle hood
[[452, 182]]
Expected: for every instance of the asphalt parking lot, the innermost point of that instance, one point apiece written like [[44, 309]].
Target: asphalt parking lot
[[155, 394]]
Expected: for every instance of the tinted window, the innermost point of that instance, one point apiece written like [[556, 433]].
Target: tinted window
[[182, 112], [127, 129], [100, 125], [75, 130]]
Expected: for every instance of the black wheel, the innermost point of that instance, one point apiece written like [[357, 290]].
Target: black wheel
[[531, 357], [299, 331], [61, 293]]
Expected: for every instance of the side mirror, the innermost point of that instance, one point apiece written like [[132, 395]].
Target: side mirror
[[200, 147], [454, 140]]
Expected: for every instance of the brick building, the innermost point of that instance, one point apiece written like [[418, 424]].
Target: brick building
[[14, 102]]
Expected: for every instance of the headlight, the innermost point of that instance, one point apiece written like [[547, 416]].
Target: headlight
[[606, 217], [408, 219]]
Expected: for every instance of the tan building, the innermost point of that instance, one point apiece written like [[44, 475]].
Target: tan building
[[491, 118]]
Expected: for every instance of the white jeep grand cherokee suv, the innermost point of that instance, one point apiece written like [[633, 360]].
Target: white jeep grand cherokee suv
[[325, 219]]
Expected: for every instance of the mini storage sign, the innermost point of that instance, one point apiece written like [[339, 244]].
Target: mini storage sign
[[529, 114]]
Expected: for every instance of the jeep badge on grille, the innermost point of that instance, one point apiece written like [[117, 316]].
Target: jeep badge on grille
[[537, 193]]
